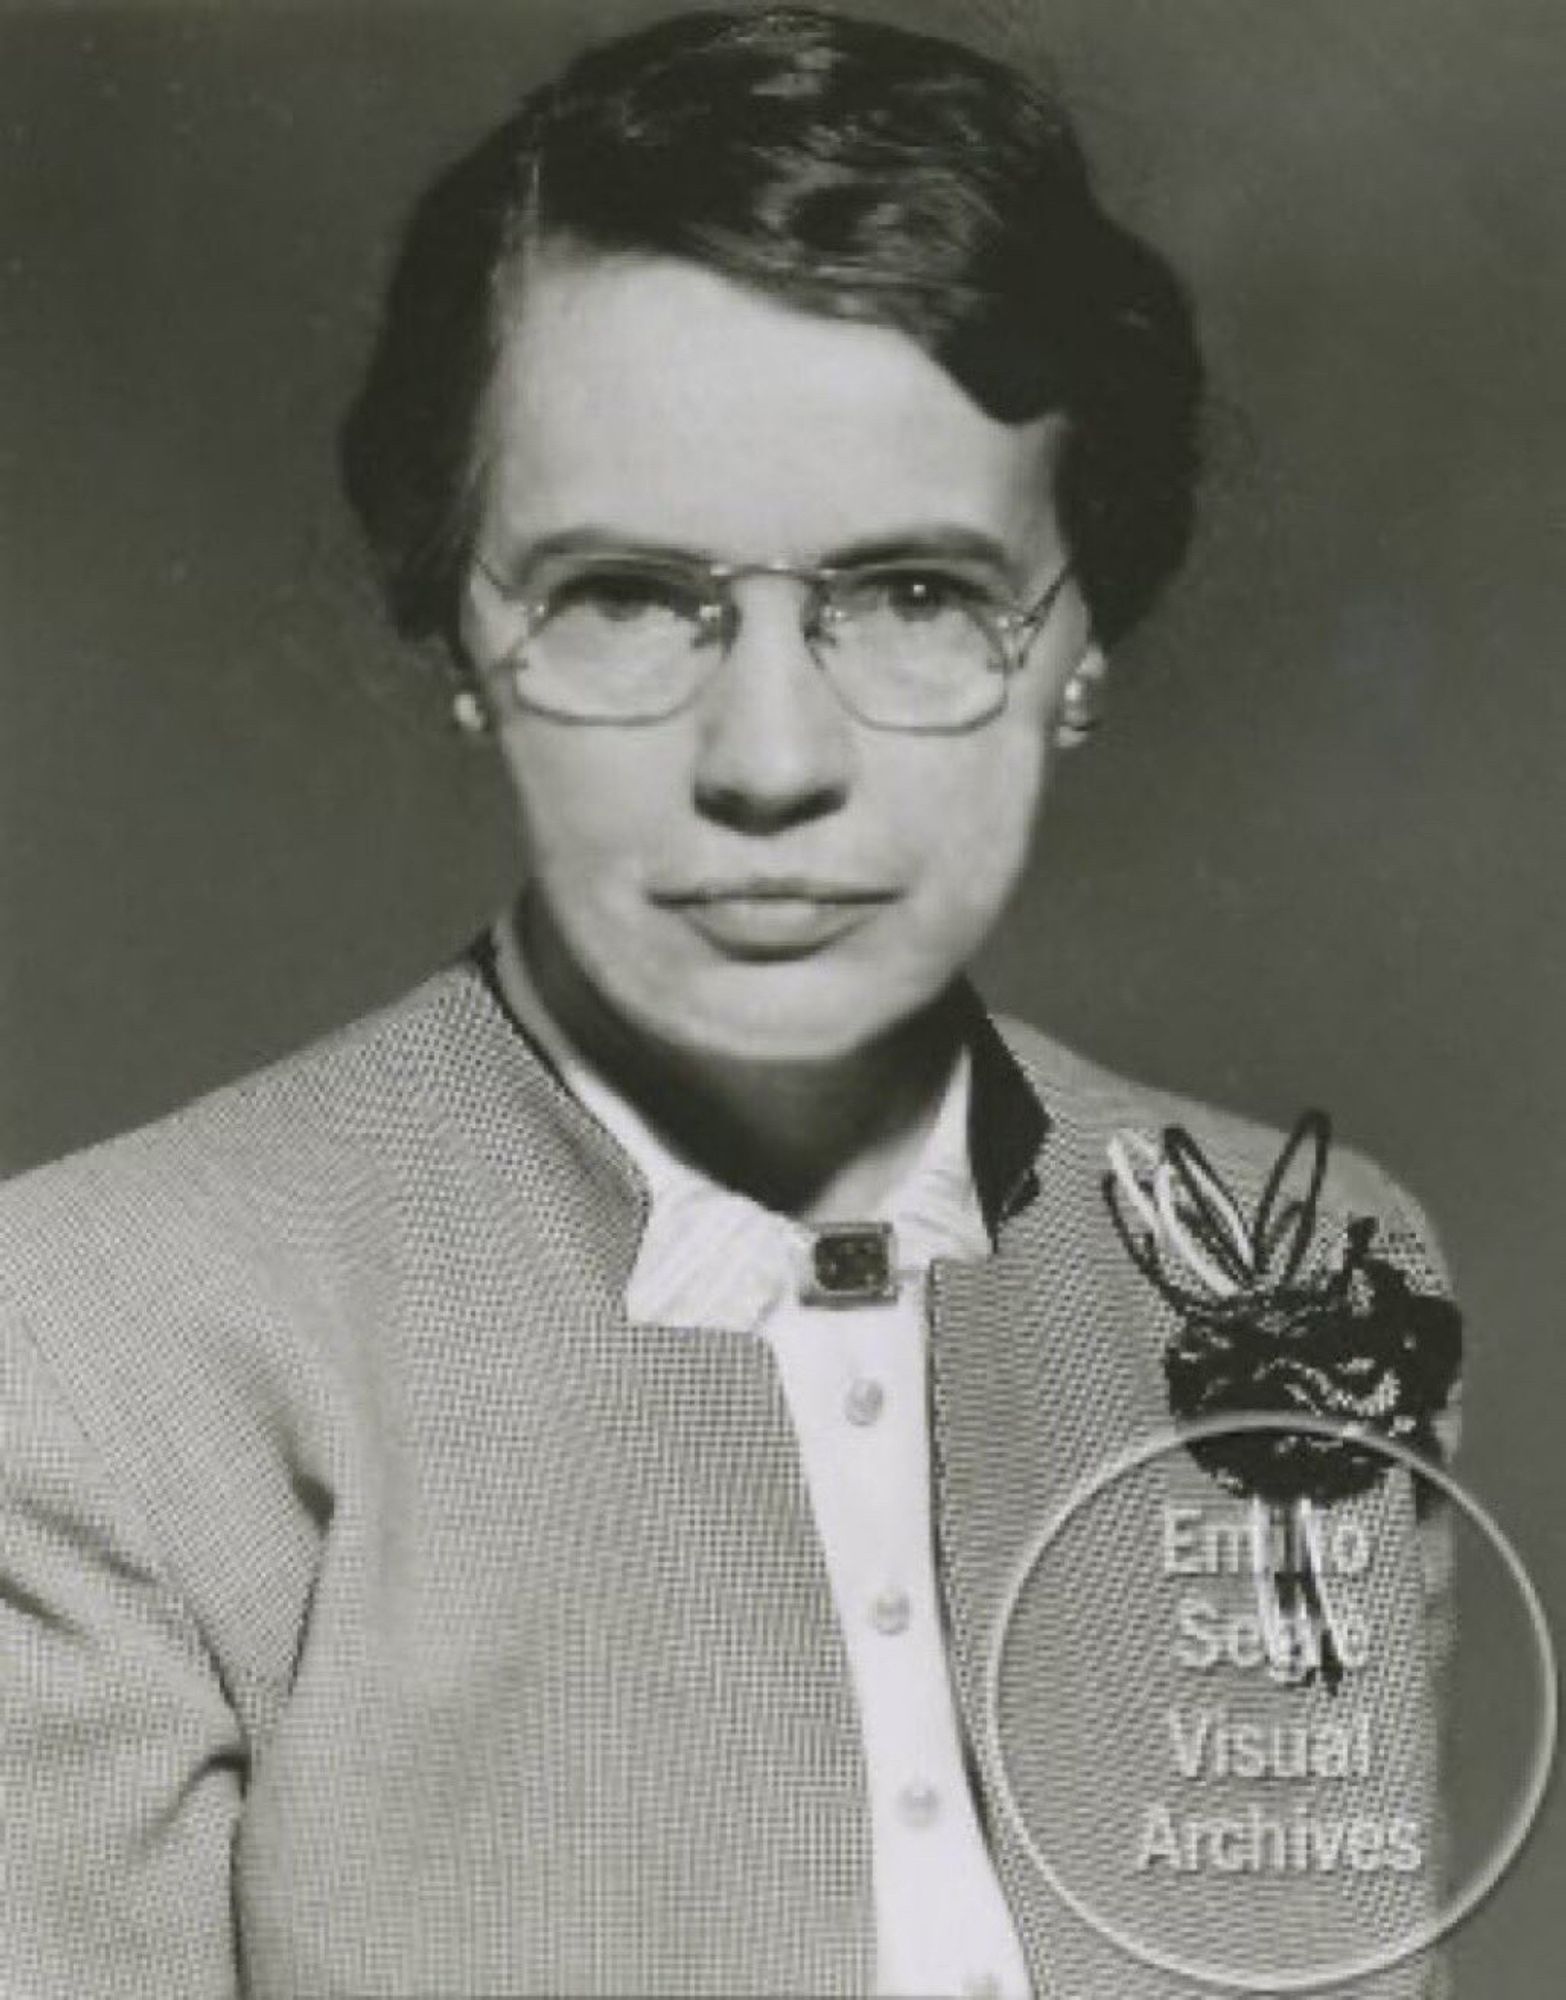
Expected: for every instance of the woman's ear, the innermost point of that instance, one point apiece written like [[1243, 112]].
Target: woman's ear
[[466, 641], [1082, 698], [468, 711], [451, 655], [442, 663]]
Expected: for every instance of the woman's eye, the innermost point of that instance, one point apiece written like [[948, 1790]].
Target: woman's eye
[[916, 596], [623, 598]]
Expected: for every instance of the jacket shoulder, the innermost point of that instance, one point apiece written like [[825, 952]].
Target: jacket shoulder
[[202, 1300], [264, 1141], [1089, 1104]]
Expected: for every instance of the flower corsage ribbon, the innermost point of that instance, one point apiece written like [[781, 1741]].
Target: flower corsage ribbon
[[1269, 1322]]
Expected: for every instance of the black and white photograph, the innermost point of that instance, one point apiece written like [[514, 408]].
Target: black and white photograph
[[781, 1099]]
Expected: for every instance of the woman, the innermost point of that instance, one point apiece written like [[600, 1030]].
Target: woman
[[527, 1495]]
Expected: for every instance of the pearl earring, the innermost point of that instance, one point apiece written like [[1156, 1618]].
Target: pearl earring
[[1082, 700], [468, 712]]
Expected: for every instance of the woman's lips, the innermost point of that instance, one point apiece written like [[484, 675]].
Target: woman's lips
[[773, 920]]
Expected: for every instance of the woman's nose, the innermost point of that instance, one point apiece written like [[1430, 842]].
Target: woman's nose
[[776, 745]]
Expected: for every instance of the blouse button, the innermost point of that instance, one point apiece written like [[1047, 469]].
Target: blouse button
[[865, 1401], [918, 1804], [891, 1611]]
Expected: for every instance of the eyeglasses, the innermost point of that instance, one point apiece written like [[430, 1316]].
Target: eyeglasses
[[908, 644]]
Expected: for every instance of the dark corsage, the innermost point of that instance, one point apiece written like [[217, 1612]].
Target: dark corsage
[[1271, 1324]]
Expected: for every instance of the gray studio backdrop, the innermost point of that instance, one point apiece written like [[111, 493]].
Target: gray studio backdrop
[[1316, 858]]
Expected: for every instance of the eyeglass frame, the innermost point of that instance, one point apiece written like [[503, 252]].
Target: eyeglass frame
[[1011, 628]]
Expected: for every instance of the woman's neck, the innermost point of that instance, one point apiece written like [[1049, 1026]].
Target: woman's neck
[[821, 1141]]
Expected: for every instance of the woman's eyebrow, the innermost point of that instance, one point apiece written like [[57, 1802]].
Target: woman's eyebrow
[[947, 539], [595, 539], [936, 539]]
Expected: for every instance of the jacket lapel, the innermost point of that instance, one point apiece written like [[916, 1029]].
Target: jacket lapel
[[1042, 1370]]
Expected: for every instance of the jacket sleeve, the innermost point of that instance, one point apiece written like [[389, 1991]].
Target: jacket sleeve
[[1413, 1242], [1418, 1251], [121, 1760]]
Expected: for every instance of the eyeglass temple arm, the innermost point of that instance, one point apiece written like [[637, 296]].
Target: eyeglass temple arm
[[1037, 612]]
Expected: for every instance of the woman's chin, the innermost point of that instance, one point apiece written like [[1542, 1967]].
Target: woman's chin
[[795, 1014]]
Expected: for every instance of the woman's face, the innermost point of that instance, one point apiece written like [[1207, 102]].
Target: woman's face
[[760, 876]]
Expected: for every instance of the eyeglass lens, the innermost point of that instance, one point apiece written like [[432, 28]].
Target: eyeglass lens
[[904, 646]]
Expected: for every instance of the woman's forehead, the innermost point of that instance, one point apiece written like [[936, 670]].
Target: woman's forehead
[[656, 395]]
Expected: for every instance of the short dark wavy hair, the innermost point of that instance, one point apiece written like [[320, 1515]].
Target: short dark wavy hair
[[857, 171]]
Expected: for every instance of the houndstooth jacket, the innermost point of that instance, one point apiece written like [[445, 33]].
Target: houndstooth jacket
[[382, 1613]]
